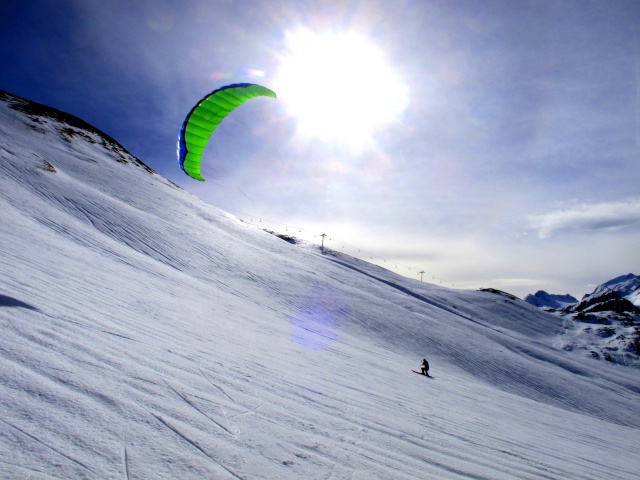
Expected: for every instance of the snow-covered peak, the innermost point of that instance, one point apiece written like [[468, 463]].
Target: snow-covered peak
[[543, 299], [627, 286], [603, 324], [45, 120], [604, 301]]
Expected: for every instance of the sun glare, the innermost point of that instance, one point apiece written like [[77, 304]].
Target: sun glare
[[339, 87]]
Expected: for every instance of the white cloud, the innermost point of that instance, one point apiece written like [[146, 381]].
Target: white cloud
[[585, 217]]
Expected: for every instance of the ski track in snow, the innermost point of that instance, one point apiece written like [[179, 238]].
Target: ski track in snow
[[146, 334]]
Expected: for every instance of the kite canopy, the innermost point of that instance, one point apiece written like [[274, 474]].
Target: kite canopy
[[205, 116]]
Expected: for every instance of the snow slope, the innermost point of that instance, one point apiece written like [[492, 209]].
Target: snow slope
[[146, 334]]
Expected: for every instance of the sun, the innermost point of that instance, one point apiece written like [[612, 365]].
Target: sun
[[339, 87]]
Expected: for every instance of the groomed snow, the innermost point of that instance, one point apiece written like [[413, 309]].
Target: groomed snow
[[146, 334]]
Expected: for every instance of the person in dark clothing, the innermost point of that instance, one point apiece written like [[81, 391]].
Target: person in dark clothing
[[425, 367]]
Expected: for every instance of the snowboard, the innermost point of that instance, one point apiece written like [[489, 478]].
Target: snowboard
[[420, 373]]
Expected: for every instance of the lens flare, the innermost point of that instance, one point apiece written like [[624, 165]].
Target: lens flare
[[316, 325]]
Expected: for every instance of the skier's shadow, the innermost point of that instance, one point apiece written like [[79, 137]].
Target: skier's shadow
[[7, 301]]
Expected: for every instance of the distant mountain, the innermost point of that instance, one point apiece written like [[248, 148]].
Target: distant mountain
[[604, 324], [604, 301], [627, 286], [543, 299]]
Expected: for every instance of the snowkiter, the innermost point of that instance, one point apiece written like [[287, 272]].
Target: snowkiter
[[425, 367]]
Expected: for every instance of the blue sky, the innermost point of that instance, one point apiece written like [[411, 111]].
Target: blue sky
[[505, 150]]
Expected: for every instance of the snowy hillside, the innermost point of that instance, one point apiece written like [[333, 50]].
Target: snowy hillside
[[146, 334]]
